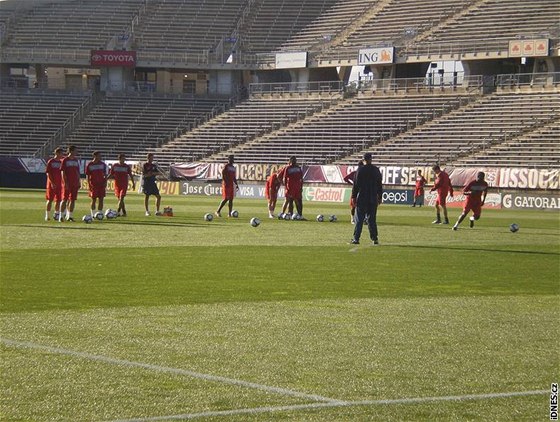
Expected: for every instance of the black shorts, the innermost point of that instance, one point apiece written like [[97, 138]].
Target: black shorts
[[150, 189]]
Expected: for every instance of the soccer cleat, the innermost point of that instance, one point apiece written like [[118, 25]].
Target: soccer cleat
[[471, 222], [148, 213], [217, 214], [436, 222], [158, 213], [446, 221], [271, 215], [354, 242], [352, 220], [70, 219], [454, 227], [375, 242]]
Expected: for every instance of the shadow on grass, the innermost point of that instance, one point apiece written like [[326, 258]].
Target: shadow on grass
[[473, 249]]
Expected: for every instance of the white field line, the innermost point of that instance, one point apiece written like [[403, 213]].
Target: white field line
[[311, 406], [169, 370]]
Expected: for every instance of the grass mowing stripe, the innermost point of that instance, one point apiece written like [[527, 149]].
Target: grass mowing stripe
[[309, 406], [176, 371]]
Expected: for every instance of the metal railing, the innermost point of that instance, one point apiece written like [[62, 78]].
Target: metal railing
[[295, 87], [551, 79]]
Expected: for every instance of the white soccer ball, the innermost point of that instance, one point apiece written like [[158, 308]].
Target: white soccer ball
[[208, 217], [280, 216], [333, 218], [255, 221], [87, 219], [287, 216], [99, 215], [109, 213], [320, 218], [234, 214], [513, 227]]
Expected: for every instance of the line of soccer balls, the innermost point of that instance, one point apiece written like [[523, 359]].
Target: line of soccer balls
[[255, 221]]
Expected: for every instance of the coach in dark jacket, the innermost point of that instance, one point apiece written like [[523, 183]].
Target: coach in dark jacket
[[367, 192]]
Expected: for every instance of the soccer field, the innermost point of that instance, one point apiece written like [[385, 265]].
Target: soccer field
[[175, 318]]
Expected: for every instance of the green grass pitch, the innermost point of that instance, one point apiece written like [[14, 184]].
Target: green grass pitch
[[156, 318]]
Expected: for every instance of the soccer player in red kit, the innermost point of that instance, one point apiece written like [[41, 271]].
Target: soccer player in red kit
[[121, 172], [443, 187], [292, 176], [349, 178], [229, 186], [476, 192], [419, 189], [271, 192], [54, 184], [70, 183], [96, 173]]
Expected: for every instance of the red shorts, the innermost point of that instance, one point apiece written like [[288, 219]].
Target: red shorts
[[228, 192], [441, 198], [475, 207], [70, 193], [293, 194], [418, 191], [120, 192], [54, 194], [97, 191]]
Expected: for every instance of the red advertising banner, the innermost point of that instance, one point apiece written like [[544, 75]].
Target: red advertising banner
[[511, 178], [113, 58]]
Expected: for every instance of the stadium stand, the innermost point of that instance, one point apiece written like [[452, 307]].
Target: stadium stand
[[468, 130], [269, 23], [347, 127], [84, 24], [489, 26], [327, 25], [248, 120], [539, 148], [125, 123], [187, 25], [30, 120]]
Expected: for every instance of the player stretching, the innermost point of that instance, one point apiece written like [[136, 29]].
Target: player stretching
[[419, 189], [443, 187], [271, 192], [476, 192], [229, 180], [121, 172], [292, 176], [71, 183], [54, 184], [350, 178], [96, 173]]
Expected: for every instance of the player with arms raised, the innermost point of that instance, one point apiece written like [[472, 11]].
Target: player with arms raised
[[476, 192], [54, 184], [121, 172]]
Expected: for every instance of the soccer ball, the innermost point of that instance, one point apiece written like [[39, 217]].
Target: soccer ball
[[208, 217], [287, 216], [280, 216], [98, 215], [87, 219], [513, 227], [109, 213], [320, 218], [255, 221], [234, 214], [333, 218]]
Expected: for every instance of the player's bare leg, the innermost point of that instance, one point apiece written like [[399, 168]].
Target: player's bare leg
[[445, 218], [230, 206], [459, 221], [146, 204], [70, 210], [158, 204], [92, 206], [63, 206], [100, 208], [218, 212], [48, 210]]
